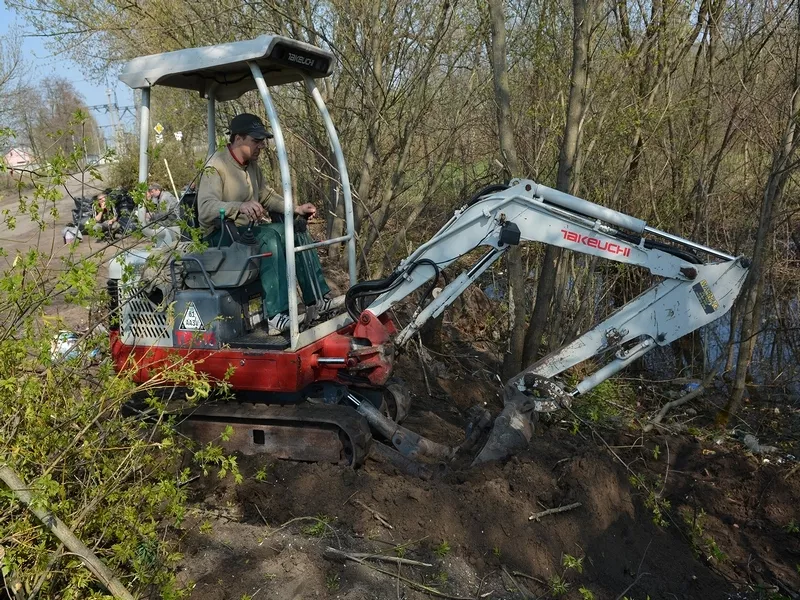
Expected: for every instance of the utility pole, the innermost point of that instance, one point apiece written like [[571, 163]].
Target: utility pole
[[115, 122]]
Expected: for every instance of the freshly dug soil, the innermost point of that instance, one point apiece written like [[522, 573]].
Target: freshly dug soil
[[727, 519]]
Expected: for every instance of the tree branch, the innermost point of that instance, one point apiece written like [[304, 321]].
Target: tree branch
[[65, 535]]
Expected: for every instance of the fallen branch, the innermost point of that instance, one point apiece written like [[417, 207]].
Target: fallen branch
[[339, 556], [531, 577], [520, 588], [65, 535], [418, 586], [553, 511], [381, 519], [683, 399]]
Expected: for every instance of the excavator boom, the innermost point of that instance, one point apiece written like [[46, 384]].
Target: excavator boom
[[692, 293]]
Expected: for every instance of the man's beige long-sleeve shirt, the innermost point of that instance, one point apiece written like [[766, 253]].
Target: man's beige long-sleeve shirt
[[227, 184]]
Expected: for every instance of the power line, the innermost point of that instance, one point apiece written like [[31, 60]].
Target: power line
[[115, 111]]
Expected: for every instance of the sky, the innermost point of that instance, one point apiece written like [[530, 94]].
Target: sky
[[41, 64]]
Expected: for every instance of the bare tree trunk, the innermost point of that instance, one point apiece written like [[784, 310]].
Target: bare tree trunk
[[566, 161], [512, 361], [776, 182], [380, 215], [373, 105]]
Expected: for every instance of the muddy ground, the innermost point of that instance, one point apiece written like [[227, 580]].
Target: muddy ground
[[661, 515]]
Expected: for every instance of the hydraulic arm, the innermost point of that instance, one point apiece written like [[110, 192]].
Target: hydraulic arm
[[691, 294]]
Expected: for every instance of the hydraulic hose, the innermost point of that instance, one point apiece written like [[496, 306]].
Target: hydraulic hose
[[686, 255], [352, 301], [489, 189], [381, 286]]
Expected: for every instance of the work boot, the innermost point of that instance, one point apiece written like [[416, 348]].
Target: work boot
[[278, 324]]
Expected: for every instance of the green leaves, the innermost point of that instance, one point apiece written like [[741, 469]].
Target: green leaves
[[112, 478]]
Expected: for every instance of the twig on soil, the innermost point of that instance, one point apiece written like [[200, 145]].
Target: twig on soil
[[298, 519], [531, 577], [416, 585], [666, 472], [188, 481], [633, 583], [639, 573], [381, 519], [792, 472], [520, 588], [340, 556], [422, 365], [397, 582], [396, 545], [682, 400], [260, 515], [553, 511], [480, 587]]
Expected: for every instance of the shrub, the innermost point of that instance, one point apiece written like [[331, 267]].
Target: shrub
[[112, 478]]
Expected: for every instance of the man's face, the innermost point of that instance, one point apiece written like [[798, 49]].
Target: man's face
[[251, 147], [153, 194]]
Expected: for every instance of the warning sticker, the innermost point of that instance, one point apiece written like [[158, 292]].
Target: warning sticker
[[191, 318], [705, 296]]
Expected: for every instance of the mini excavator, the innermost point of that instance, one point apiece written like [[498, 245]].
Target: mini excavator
[[324, 391]]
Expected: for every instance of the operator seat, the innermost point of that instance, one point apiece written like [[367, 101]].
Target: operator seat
[[224, 267]]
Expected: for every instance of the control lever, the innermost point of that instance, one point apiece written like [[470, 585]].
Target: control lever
[[247, 236]]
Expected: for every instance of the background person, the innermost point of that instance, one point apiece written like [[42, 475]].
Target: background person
[[105, 216], [165, 206]]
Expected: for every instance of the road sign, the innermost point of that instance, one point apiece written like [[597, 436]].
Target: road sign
[[159, 128]]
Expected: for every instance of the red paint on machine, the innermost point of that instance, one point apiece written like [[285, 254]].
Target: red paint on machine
[[592, 242]]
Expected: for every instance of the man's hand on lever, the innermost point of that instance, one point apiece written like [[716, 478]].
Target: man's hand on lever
[[252, 210]]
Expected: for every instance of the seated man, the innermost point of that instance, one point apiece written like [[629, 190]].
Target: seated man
[[165, 206], [105, 216], [233, 182]]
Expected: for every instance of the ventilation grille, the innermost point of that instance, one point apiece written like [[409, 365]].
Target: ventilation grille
[[143, 324]]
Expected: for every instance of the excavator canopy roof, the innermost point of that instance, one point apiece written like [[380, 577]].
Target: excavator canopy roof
[[225, 66]]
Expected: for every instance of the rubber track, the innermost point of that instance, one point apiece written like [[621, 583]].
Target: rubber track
[[346, 419]]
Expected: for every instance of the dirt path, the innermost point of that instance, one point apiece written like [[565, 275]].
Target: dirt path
[[27, 235]]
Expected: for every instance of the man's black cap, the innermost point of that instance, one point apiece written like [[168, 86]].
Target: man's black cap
[[251, 125]]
